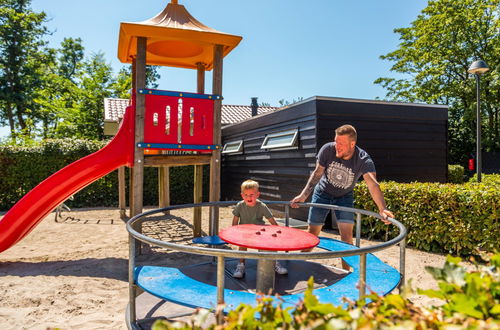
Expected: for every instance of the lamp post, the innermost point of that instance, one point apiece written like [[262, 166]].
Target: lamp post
[[477, 68]]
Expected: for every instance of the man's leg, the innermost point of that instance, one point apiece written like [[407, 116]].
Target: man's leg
[[315, 230], [345, 230]]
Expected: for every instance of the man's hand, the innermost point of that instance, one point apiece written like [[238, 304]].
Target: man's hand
[[297, 199], [386, 213]]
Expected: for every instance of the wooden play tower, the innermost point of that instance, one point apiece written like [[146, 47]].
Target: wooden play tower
[[181, 121]]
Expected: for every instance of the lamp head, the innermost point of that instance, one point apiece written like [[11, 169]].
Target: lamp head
[[478, 67]]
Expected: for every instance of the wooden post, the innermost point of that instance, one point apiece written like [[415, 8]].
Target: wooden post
[[198, 169], [164, 186], [140, 83], [137, 187], [122, 205], [216, 158]]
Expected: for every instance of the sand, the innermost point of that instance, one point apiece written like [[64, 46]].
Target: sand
[[72, 273]]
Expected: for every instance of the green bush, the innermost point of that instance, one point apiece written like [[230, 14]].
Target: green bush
[[455, 174], [24, 167], [447, 218], [469, 300]]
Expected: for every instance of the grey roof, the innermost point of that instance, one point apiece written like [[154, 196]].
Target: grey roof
[[114, 109]]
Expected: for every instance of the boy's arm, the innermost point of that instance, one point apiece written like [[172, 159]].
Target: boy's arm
[[235, 220]]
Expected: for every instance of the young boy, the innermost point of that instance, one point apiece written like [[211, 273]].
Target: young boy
[[251, 211]]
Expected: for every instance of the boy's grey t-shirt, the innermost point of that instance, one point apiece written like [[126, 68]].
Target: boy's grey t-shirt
[[341, 175], [252, 214]]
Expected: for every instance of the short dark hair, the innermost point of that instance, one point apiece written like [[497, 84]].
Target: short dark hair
[[347, 130]]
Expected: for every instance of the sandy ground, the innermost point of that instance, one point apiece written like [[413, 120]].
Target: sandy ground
[[72, 274]]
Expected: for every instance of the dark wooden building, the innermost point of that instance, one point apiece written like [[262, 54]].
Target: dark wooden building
[[408, 142]]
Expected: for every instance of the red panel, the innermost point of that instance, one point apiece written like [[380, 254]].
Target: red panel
[[162, 124]]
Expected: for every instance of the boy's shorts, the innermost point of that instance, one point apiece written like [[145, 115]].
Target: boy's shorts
[[317, 215]]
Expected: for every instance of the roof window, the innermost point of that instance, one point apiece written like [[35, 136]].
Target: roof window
[[281, 140], [233, 147]]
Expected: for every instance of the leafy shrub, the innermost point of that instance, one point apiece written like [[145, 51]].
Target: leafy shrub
[[458, 219], [24, 167], [455, 173], [469, 300]]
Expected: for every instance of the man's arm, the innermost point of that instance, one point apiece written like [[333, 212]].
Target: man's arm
[[377, 195], [313, 180]]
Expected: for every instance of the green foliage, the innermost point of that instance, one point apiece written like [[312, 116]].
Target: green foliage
[[24, 167], [434, 54], [459, 219], [455, 174], [474, 294], [469, 300], [22, 58]]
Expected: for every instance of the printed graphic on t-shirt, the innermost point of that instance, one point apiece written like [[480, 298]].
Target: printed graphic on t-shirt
[[339, 176]]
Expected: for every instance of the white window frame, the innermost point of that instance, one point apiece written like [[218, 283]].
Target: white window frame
[[239, 149], [291, 144]]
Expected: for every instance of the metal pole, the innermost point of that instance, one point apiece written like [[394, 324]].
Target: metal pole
[[362, 275], [287, 215], [220, 289], [131, 284], [478, 129], [358, 229], [402, 262]]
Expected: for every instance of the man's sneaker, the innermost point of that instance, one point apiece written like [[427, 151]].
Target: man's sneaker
[[239, 272], [280, 269]]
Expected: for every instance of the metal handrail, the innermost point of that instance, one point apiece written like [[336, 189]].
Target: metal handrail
[[224, 253]]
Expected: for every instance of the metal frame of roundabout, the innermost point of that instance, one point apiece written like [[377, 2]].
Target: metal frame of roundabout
[[355, 256]]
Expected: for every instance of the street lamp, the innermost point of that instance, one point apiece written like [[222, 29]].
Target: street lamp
[[477, 68]]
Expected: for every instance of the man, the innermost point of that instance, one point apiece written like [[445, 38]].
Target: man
[[339, 166]]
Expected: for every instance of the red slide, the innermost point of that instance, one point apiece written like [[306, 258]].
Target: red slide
[[58, 187]]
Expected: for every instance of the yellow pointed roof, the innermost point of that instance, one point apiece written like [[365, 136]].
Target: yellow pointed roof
[[174, 38]]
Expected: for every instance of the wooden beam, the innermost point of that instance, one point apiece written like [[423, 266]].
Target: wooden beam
[[140, 83], [122, 204], [137, 187], [215, 165], [198, 169], [164, 186], [177, 160]]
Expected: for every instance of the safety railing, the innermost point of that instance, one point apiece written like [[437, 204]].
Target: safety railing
[[221, 254]]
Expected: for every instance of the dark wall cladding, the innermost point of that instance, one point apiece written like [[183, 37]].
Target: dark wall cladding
[[407, 142]]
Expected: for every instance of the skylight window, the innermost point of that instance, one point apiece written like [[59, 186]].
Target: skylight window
[[281, 140], [233, 147]]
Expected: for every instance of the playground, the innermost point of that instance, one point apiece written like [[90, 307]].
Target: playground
[[73, 273], [85, 268]]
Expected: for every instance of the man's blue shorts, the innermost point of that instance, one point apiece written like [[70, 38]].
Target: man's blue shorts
[[318, 215]]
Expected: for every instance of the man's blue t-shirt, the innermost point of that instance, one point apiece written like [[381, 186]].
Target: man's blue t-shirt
[[341, 175]]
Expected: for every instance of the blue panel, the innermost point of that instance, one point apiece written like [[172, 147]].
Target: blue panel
[[173, 285], [180, 94], [211, 240], [178, 146]]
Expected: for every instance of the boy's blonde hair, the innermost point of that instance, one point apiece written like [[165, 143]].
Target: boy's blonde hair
[[249, 184]]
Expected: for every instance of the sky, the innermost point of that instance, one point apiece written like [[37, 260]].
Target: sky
[[290, 48]]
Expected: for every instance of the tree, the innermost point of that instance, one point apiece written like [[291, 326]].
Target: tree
[[433, 57], [21, 63]]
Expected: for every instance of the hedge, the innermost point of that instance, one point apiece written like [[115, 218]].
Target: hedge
[[24, 167], [456, 173], [452, 218], [446, 218]]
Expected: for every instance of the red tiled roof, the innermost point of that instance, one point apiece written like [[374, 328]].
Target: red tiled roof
[[235, 113], [114, 109]]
